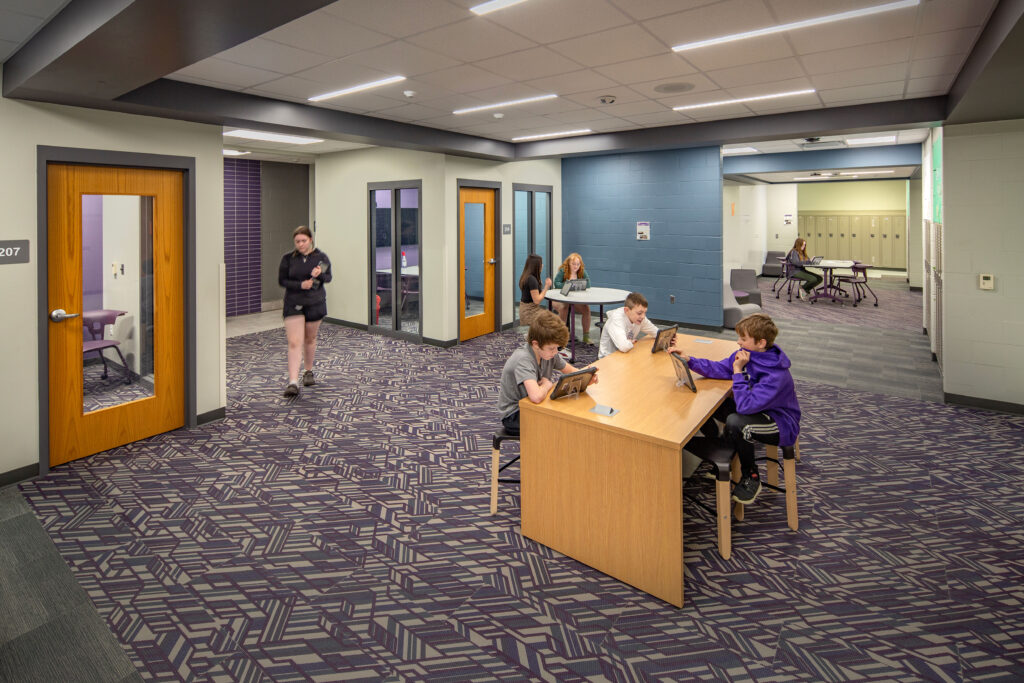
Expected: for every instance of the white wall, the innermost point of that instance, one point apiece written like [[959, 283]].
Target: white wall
[[781, 203], [915, 241], [342, 218], [122, 290], [983, 202], [745, 217], [23, 126]]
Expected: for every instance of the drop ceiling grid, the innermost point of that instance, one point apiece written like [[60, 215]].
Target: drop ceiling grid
[[619, 47]]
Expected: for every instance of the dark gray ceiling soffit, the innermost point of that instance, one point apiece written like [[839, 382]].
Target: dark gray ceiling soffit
[[189, 102], [928, 111], [102, 49], [988, 86]]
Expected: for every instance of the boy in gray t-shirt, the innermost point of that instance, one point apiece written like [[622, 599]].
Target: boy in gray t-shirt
[[529, 370]]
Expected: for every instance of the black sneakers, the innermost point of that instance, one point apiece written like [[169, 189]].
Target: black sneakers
[[307, 378], [746, 490], [291, 390]]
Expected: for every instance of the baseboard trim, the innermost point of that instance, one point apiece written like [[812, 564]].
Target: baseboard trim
[[212, 416], [345, 323], [508, 326], [916, 289], [984, 403], [19, 475], [443, 343]]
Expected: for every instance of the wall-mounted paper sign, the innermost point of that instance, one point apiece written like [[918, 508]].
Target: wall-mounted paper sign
[[13, 251], [643, 230], [787, 219]]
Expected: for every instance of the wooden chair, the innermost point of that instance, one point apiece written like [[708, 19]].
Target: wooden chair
[[496, 466]]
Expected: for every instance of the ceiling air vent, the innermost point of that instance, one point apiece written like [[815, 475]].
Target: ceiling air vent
[[816, 143]]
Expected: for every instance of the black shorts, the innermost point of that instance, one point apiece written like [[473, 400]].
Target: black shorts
[[312, 312]]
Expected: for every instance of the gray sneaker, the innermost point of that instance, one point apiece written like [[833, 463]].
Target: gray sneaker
[[291, 390], [307, 378], [746, 490]]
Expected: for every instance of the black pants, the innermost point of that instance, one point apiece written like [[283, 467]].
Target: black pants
[[741, 431], [511, 423]]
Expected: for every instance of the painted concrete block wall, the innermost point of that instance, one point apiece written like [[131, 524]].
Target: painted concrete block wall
[[680, 193], [983, 331], [24, 126]]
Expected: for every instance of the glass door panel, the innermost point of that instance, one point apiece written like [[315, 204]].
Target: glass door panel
[[475, 226], [521, 220], [383, 258], [541, 228], [409, 258]]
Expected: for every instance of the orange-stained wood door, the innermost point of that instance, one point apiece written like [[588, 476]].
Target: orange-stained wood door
[[153, 400], [477, 262]]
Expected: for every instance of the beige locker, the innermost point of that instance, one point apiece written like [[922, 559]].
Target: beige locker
[[810, 232], [832, 227], [873, 240], [800, 223], [857, 226], [886, 243], [820, 232], [844, 238], [899, 244]]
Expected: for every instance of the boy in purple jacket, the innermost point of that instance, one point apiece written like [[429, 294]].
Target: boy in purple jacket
[[763, 406]]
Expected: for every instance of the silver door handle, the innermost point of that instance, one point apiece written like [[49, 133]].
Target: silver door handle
[[59, 315], [492, 261]]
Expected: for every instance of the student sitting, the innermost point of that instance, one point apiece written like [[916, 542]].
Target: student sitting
[[623, 326], [529, 370], [573, 269], [797, 259], [763, 406]]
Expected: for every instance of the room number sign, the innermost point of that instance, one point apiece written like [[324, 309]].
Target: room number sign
[[13, 251]]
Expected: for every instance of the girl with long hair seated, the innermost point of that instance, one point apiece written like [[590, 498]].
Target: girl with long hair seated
[[572, 269]]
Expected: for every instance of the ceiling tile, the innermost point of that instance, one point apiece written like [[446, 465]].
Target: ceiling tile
[[667, 65], [630, 109], [861, 57], [724, 111], [398, 18], [711, 21], [554, 21], [425, 92], [472, 40], [622, 94], [465, 78], [365, 101], [663, 118], [608, 47], [648, 9], [741, 52], [42, 9], [581, 116], [228, 73], [950, 64], [846, 79], [450, 103], [326, 34], [862, 92], [763, 72], [699, 82], [402, 59], [577, 81], [947, 43], [15, 27], [203, 81], [787, 11], [341, 74], [529, 64], [289, 87], [696, 98], [270, 56], [7, 48], [803, 103], [866, 100], [929, 85], [411, 112], [772, 87], [946, 15], [865, 30], [509, 91]]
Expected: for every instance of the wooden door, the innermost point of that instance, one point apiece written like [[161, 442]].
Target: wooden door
[[116, 287], [477, 262]]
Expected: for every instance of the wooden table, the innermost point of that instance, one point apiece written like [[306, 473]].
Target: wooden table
[[608, 491]]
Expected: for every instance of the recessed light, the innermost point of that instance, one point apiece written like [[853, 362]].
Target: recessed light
[[493, 6], [358, 88], [564, 133], [498, 115], [866, 173], [740, 150], [510, 103], [271, 137], [740, 100], [813, 177], [234, 153], [852, 14], [871, 141]]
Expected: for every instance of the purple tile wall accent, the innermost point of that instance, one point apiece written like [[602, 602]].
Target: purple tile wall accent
[[242, 212]]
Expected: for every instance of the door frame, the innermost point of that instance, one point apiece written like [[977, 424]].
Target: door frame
[[46, 155], [392, 186], [478, 185], [531, 214]]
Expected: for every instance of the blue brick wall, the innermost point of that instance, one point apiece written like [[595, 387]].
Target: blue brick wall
[[680, 193]]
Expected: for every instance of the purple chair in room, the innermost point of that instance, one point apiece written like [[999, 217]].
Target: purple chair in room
[[788, 282], [95, 322], [858, 282], [781, 275]]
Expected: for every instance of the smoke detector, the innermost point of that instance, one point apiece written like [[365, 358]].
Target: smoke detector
[[607, 99]]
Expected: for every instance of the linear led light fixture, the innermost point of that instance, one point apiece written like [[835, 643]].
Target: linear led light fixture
[[871, 141], [563, 134], [271, 137], [855, 173], [828, 19], [357, 88], [813, 177], [493, 6], [510, 103], [740, 100], [740, 150], [234, 153]]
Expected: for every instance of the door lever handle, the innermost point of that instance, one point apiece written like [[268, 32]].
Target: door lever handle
[[492, 261], [59, 315]]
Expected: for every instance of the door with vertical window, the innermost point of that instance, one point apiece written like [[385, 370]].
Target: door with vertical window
[[477, 262], [115, 294], [532, 232], [395, 257]]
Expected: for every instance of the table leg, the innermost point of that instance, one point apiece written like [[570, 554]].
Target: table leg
[[572, 334]]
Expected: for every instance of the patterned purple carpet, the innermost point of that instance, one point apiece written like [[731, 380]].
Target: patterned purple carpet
[[345, 535], [898, 308]]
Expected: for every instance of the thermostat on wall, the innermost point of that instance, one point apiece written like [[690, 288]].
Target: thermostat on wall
[[986, 281]]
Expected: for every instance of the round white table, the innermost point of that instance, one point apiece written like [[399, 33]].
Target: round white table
[[594, 296]]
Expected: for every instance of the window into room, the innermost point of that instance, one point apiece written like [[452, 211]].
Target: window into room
[[531, 231], [395, 236]]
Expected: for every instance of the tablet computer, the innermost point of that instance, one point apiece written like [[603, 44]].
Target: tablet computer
[[567, 287], [664, 338], [573, 383], [816, 260], [578, 285], [683, 376]]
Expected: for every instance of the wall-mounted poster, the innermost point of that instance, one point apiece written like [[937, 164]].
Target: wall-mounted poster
[[643, 230]]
